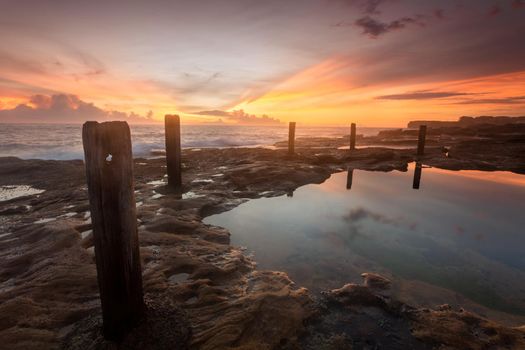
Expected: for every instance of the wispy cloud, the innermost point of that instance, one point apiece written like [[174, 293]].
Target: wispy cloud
[[359, 214], [375, 28], [494, 10], [241, 117], [505, 101], [422, 95], [518, 4], [367, 7], [439, 13], [372, 6]]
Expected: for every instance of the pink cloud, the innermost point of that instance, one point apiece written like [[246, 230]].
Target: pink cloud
[[65, 108]]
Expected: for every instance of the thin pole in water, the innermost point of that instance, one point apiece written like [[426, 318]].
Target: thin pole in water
[[291, 138], [349, 178], [417, 176], [421, 140], [173, 151], [352, 137]]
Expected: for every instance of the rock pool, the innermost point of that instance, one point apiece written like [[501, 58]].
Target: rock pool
[[453, 237]]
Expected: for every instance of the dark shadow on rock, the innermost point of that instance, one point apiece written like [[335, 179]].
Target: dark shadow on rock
[[165, 327]]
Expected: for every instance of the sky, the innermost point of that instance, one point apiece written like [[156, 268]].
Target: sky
[[329, 62]]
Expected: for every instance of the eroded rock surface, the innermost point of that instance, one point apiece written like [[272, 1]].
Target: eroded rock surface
[[363, 316], [49, 293]]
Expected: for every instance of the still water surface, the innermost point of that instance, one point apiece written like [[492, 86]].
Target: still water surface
[[458, 239]]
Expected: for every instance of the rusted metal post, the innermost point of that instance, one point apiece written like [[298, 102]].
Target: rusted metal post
[[417, 176], [173, 151], [291, 138], [352, 137], [109, 174], [421, 140]]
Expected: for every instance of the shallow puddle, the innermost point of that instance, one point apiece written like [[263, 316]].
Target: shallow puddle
[[14, 191]]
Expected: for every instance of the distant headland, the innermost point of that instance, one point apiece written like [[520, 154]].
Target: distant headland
[[466, 121]]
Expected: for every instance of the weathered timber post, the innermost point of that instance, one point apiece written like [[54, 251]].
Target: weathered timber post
[[349, 178], [173, 151], [417, 176], [109, 173], [352, 137], [421, 140], [291, 138]]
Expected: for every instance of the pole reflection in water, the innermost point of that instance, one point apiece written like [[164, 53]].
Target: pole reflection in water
[[417, 176], [325, 236], [349, 178]]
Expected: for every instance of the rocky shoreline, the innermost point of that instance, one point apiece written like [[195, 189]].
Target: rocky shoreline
[[204, 293]]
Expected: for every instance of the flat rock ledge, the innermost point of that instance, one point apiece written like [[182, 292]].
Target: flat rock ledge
[[201, 292]]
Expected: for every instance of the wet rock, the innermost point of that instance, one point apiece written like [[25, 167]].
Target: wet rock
[[48, 288], [444, 307], [165, 326], [463, 330], [376, 282], [15, 210], [172, 224], [354, 294], [369, 320]]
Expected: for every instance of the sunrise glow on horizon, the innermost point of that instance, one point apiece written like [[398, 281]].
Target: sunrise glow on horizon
[[323, 62]]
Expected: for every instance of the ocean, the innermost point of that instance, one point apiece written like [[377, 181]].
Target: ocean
[[64, 141]]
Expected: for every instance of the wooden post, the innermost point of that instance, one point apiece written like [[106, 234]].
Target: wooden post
[[291, 138], [349, 178], [421, 140], [109, 173], [173, 151], [352, 137], [417, 176]]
